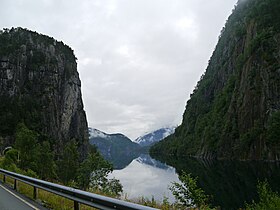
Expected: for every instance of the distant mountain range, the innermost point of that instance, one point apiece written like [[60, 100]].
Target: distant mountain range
[[116, 148], [155, 136], [119, 149], [108, 143], [112, 144]]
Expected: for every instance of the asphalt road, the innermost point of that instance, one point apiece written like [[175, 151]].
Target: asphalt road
[[10, 200]]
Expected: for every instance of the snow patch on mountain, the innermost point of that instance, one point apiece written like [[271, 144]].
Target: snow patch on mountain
[[94, 133], [154, 136]]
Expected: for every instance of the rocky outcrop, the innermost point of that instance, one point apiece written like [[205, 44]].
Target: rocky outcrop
[[234, 112], [40, 86]]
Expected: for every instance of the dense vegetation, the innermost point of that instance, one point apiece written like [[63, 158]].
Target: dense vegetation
[[11, 39], [188, 194], [267, 198], [234, 110], [33, 156]]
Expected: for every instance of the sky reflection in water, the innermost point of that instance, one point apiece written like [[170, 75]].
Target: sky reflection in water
[[146, 177]]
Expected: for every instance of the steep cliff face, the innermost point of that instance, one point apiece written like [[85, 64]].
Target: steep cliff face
[[234, 112], [40, 86]]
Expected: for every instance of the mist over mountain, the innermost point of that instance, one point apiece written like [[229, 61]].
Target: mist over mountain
[[155, 136]]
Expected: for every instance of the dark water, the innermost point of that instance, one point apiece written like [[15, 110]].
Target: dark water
[[229, 183]]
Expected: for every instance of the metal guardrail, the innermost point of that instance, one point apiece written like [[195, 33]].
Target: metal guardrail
[[78, 196]]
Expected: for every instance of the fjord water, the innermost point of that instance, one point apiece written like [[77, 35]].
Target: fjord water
[[146, 177], [229, 183]]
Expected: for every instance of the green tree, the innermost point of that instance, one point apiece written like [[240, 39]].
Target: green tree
[[10, 160], [27, 145], [187, 193], [273, 131], [268, 199], [93, 162], [93, 173], [69, 163], [46, 166], [112, 187], [99, 182]]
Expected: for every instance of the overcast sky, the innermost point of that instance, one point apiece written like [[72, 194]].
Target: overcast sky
[[138, 60]]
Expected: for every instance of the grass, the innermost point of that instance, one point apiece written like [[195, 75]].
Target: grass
[[164, 204], [9, 180], [56, 202]]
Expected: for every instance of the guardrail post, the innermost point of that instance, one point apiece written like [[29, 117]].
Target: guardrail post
[[4, 178], [15, 185], [76, 205], [35, 193]]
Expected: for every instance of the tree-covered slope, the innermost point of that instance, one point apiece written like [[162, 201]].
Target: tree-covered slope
[[234, 111]]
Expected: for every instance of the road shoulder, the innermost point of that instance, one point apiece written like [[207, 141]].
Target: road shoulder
[[26, 200]]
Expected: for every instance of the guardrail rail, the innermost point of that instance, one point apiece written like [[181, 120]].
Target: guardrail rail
[[78, 196]]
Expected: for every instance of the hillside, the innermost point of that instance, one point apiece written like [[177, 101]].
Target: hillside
[[234, 111]]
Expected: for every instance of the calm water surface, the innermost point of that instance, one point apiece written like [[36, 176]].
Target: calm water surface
[[146, 177], [229, 183]]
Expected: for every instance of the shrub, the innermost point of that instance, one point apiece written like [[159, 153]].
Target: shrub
[[268, 199], [188, 194]]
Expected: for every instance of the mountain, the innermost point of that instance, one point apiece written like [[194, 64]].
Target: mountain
[[155, 136], [116, 148], [40, 86], [108, 142], [234, 111]]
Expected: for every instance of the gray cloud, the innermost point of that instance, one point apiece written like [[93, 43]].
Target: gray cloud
[[138, 60]]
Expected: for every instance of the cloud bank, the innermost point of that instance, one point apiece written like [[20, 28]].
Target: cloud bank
[[138, 60]]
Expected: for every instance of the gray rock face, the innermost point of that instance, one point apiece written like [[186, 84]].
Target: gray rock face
[[39, 78]]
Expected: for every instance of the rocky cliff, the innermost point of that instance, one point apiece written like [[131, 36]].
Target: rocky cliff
[[40, 86], [234, 111]]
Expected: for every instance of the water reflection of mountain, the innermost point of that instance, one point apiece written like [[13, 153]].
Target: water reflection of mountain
[[122, 160], [146, 159], [230, 183], [116, 148]]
